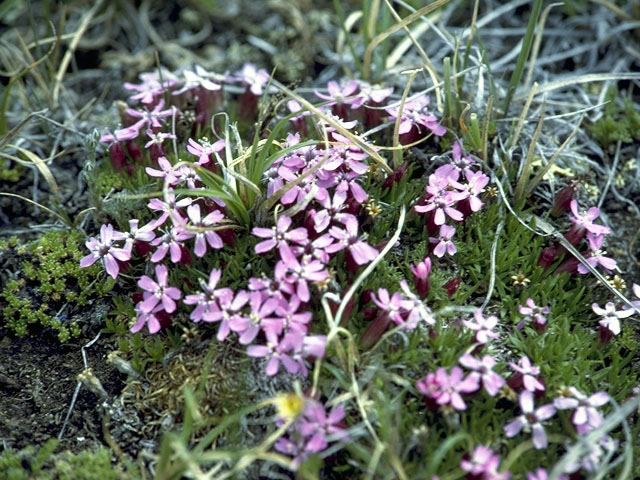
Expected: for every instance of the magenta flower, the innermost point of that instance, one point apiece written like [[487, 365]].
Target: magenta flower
[[203, 149], [169, 208], [584, 221], [277, 351], [392, 306], [105, 251], [483, 464], [166, 171], [170, 241], [151, 87], [483, 370], [533, 312], [279, 235], [230, 306], [459, 160], [255, 79], [482, 326], [444, 243], [421, 276], [529, 373], [596, 256], [415, 115], [476, 181], [138, 234], [368, 94], [541, 474], [207, 300], [446, 388], [348, 238], [312, 431], [336, 93], [249, 326], [332, 210], [585, 417], [531, 419], [149, 118], [299, 273], [287, 318], [160, 291], [149, 318], [610, 316], [205, 237]]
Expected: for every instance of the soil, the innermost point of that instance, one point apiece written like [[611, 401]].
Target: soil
[[38, 375]]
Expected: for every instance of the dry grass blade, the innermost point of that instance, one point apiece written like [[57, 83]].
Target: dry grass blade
[[533, 183], [35, 160], [588, 78], [64, 220], [69, 53], [537, 41], [343, 131], [384, 35]]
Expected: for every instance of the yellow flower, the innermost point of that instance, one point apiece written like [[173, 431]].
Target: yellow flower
[[289, 405]]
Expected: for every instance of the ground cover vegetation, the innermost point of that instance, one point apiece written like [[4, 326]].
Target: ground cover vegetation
[[392, 266]]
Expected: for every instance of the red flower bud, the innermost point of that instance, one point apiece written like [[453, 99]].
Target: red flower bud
[[563, 199], [452, 285], [375, 331], [547, 257], [117, 157]]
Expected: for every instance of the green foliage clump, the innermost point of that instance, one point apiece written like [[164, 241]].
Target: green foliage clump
[[27, 464], [619, 122], [50, 278], [8, 174]]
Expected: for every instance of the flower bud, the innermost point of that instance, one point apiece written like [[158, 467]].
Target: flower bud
[[375, 331], [563, 199], [421, 277], [452, 286], [547, 257]]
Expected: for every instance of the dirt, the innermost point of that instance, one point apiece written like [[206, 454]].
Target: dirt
[[38, 378]]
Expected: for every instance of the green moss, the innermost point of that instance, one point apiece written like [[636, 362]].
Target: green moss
[[620, 122], [50, 278], [43, 464]]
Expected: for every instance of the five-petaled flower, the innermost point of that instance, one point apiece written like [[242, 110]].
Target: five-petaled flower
[[105, 251], [531, 419], [585, 417], [160, 291], [610, 316]]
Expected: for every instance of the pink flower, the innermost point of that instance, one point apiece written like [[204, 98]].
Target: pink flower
[[415, 115], [168, 208], [299, 273], [279, 235], [444, 243], [255, 79], [533, 312], [541, 474], [531, 419], [610, 316], [249, 326], [150, 319], [171, 242], [203, 149], [332, 210], [393, 306], [160, 291], [105, 251], [277, 351], [230, 305], [207, 223], [421, 276], [166, 171], [336, 93], [482, 326], [585, 416], [596, 256], [483, 370], [348, 238], [207, 300], [446, 388], [529, 373], [585, 220], [483, 464]]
